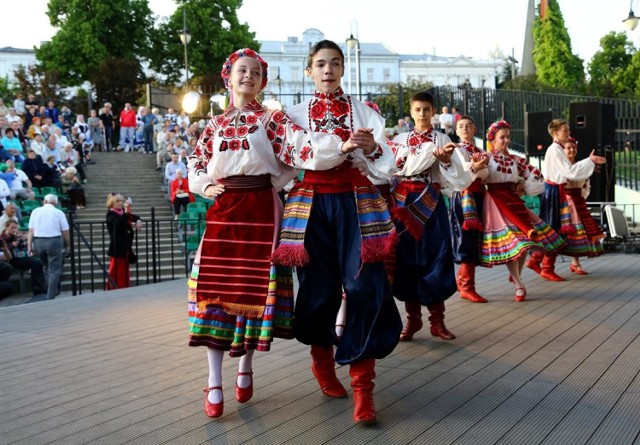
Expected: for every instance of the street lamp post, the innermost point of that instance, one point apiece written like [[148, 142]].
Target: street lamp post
[[185, 38], [354, 44], [631, 22]]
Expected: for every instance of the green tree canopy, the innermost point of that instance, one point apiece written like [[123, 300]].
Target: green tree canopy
[[215, 32], [555, 63], [608, 67], [90, 32]]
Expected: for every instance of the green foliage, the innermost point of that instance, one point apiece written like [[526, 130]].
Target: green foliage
[[632, 72], [39, 82], [215, 33], [608, 67], [118, 80], [6, 91], [90, 31], [394, 101], [555, 63]]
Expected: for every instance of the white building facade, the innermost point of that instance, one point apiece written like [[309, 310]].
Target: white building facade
[[379, 67], [12, 58]]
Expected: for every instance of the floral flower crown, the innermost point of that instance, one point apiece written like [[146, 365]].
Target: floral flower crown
[[573, 141], [495, 127], [372, 105], [244, 52]]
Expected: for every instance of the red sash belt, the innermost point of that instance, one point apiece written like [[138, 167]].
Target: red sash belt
[[334, 181]]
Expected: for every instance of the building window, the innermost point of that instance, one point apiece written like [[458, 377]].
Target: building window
[[386, 74], [353, 76], [369, 74]]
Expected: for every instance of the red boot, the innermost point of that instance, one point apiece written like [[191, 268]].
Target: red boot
[[438, 329], [362, 374], [324, 370], [414, 320], [466, 281], [534, 261], [548, 268]]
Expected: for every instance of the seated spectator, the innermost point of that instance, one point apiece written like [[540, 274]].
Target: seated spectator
[[70, 158], [10, 213], [13, 117], [33, 168], [61, 138], [14, 246], [172, 167], [50, 149], [5, 155], [164, 152], [34, 128], [21, 186], [12, 145], [6, 270], [51, 176], [19, 134], [72, 186], [180, 194], [45, 133], [5, 192], [37, 145]]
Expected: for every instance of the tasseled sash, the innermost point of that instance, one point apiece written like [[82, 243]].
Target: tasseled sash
[[469, 206], [376, 228], [415, 215], [566, 228]]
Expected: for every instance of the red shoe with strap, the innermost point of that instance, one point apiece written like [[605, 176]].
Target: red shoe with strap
[[212, 409], [578, 270], [244, 394]]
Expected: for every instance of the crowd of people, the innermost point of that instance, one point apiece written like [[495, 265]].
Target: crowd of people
[[364, 221]]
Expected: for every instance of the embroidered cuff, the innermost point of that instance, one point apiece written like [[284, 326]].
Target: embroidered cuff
[[205, 187]]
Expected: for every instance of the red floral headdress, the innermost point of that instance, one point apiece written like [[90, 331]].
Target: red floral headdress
[[372, 105], [495, 127], [244, 52], [573, 141]]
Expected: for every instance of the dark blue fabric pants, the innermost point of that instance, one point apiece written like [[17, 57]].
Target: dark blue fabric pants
[[333, 242]]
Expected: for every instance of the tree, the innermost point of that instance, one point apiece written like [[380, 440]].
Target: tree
[[389, 100], [215, 33], [608, 67], [555, 63], [43, 84], [92, 31]]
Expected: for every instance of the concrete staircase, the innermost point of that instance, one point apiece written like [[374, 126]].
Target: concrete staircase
[[132, 175]]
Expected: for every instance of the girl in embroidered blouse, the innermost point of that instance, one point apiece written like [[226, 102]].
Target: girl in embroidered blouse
[[238, 299], [510, 229], [587, 237]]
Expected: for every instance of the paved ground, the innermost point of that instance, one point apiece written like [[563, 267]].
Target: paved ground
[[112, 368]]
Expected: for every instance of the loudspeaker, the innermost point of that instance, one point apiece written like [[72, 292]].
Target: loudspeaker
[[593, 125], [536, 132]]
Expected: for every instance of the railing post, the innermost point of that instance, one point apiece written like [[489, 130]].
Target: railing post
[[72, 255], [153, 245]]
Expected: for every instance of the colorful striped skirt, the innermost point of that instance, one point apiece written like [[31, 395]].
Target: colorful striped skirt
[[503, 241], [238, 299], [586, 241]]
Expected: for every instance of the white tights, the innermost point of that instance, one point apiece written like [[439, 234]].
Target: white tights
[[515, 269], [215, 357]]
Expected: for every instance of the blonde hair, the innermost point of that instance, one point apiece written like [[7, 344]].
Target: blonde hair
[[555, 125], [112, 198]]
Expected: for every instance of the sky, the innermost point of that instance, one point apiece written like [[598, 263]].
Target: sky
[[474, 28]]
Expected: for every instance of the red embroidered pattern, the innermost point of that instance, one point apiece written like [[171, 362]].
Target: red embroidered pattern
[[331, 113]]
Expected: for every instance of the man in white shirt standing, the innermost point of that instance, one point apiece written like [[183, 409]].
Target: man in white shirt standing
[[446, 122], [48, 238]]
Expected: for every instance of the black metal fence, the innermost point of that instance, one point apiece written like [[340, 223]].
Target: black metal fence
[[164, 247]]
